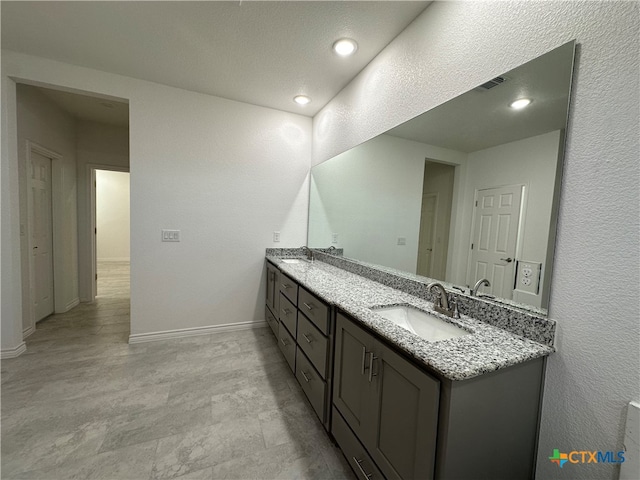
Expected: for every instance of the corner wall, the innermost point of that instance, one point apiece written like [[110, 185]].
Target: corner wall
[[455, 46]]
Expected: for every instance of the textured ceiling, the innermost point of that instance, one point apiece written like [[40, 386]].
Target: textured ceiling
[[481, 119], [263, 53]]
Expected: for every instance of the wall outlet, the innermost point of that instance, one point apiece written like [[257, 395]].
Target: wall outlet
[[276, 237], [334, 238], [528, 277], [170, 235]]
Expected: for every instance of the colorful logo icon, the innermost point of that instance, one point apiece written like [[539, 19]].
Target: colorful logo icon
[[559, 458], [586, 456]]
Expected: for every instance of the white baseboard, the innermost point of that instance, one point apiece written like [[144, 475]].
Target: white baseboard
[[114, 259], [13, 352], [192, 332], [72, 304], [28, 331]]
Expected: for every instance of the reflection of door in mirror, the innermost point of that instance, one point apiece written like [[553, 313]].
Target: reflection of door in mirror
[[435, 219], [428, 217], [495, 237]]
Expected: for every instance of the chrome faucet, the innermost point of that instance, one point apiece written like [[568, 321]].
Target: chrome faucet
[[441, 303], [479, 283], [308, 252]]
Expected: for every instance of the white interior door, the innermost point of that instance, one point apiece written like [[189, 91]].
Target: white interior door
[[426, 242], [41, 235], [495, 236]]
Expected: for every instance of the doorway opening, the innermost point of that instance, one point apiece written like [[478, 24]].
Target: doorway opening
[[435, 219], [111, 227]]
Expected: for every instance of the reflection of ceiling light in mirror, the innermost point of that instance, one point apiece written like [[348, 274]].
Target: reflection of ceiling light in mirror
[[520, 103], [345, 47], [301, 99]]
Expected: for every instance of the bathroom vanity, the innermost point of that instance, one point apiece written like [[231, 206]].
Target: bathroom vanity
[[399, 405]]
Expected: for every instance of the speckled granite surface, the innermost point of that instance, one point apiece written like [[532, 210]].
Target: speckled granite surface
[[521, 320], [487, 349]]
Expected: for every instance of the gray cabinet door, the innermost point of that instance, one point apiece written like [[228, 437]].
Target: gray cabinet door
[[351, 388], [405, 411], [272, 289]]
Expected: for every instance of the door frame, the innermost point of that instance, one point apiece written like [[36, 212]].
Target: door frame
[[34, 147], [521, 224], [91, 179]]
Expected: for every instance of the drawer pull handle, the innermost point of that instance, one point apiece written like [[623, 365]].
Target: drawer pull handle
[[284, 342], [286, 286], [371, 374], [309, 340], [306, 379], [358, 462], [310, 307], [286, 311], [364, 359]]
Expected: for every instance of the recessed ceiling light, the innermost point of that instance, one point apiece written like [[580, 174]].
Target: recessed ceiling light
[[520, 103], [301, 99], [345, 47]]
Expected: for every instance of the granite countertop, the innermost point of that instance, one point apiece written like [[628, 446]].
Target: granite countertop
[[487, 349]]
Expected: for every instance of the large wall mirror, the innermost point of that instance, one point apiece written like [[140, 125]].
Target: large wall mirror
[[465, 191]]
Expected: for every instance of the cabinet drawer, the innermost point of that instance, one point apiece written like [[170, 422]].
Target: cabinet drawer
[[353, 450], [314, 344], [315, 309], [288, 346], [312, 384], [289, 288], [272, 321], [288, 314]]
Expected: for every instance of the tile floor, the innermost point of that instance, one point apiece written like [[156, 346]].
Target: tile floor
[[83, 403]]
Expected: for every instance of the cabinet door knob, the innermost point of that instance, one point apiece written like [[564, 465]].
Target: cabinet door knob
[[358, 462], [371, 374], [364, 360]]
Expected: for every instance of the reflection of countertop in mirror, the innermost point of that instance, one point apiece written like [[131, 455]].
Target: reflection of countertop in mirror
[[487, 349]]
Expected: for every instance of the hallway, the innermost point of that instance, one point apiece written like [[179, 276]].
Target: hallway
[[83, 403]]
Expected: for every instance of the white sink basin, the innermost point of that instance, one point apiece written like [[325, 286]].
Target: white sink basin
[[421, 323], [292, 260]]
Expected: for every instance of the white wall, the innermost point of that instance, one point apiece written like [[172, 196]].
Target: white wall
[[455, 46], [530, 162], [41, 121], [370, 196], [112, 216], [225, 173], [98, 145]]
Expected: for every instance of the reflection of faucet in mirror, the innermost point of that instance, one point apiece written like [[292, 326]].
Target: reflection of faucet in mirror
[[331, 249], [441, 302], [308, 252], [479, 283]]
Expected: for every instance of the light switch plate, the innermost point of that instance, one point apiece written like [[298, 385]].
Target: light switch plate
[[402, 241], [170, 235], [276, 236], [334, 238]]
